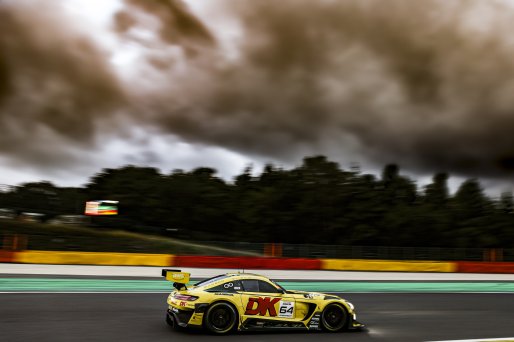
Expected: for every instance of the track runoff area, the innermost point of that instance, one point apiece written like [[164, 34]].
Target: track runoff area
[[105, 303]]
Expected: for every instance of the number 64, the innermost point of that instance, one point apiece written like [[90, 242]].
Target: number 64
[[284, 310]]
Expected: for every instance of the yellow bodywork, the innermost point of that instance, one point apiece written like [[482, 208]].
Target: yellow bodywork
[[179, 277], [256, 309]]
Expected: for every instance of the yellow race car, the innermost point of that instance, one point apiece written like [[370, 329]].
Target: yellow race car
[[243, 301]]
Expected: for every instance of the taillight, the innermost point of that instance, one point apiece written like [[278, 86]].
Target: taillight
[[185, 297]]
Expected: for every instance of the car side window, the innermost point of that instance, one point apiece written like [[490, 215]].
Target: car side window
[[229, 286], [267, 287], [250, 285]]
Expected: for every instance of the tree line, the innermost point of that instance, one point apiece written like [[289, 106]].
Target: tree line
[[317, 202]]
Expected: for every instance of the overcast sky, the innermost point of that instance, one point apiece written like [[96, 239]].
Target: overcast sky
[[89, 84]]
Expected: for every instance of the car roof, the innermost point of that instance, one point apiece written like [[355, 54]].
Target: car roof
[[241, 275], [222, 278]]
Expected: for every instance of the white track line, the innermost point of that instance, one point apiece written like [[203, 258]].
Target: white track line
[[84, 292], [504, 339], [142, 271]]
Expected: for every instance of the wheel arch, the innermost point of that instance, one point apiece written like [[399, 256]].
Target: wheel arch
[[341, 302], [226, 300]]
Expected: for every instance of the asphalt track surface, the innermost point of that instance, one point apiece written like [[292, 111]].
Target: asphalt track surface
[[140, 317]]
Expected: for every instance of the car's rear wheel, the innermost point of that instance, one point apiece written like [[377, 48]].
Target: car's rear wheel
[[334, 317], [220, 318]]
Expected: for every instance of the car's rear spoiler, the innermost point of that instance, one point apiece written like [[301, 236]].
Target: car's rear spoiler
[[179, 278]]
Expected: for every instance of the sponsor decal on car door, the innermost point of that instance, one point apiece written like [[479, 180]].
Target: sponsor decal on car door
[[262, 299], [261, 305]]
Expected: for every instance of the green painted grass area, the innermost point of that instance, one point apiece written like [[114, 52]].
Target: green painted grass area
[[82, 285], [50, 237], [401, 287], [118, 285]]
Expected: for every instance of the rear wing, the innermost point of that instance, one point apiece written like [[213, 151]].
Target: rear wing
[[179, 278]]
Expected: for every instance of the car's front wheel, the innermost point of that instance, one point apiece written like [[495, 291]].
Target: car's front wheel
[[220, 318], [334, 317]]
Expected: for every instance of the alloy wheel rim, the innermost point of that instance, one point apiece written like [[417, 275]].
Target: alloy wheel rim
[[220, 319], [334, 317]]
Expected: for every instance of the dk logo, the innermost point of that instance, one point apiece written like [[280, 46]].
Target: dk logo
[[259, 306]]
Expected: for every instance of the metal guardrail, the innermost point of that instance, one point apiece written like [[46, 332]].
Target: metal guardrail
[[375, 252], [34, 238], [89, 243]]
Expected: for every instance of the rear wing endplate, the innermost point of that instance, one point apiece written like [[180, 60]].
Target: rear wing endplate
[[179, 278]]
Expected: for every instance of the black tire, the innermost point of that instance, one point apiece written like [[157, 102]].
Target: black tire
[[220, 318], [334, 318]]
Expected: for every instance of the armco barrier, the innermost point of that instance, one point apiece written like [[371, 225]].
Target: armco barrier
[[387, 265], [136, 259], [247, 263], [485, 267], [92, 258], [6, 256]]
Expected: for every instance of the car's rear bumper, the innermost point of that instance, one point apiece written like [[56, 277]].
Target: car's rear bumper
[[181, 317]]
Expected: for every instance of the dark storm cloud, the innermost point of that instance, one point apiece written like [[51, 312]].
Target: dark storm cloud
[[427, 84], [54, 86], [177, 25]]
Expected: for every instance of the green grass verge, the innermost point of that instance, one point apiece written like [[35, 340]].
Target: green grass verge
[[139, 285], [72, 238]]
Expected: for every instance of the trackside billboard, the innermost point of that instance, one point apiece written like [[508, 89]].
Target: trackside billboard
[[101, 208]]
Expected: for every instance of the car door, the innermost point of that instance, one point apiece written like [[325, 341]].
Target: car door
[[263, 300]]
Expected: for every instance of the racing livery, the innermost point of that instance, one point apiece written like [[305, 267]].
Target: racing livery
[[244, 301]]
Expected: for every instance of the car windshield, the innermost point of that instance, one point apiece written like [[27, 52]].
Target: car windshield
[[278, 285], [210, 280]]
